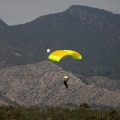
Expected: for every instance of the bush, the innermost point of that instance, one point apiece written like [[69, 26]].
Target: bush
[[84, 105]]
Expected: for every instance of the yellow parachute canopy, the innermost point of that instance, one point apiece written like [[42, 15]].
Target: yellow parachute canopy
[[59, 54]]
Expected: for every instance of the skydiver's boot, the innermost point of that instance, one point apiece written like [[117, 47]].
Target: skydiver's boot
[[65, 85]]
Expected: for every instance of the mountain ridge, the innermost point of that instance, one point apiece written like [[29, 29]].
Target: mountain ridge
[[92, 32]]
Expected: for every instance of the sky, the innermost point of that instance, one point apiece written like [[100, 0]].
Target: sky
[[14, 12]]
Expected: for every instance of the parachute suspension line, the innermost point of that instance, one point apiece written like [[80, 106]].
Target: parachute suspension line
[[57, 55], [57, 46], [68, 68], [68, 73], [77, 64]]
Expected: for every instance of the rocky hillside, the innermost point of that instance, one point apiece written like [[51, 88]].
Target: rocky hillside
[[42, 83]]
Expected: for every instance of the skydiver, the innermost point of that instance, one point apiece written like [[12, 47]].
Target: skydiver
[[65, 81]]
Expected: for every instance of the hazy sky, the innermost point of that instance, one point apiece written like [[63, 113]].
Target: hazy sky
[[15, 12]]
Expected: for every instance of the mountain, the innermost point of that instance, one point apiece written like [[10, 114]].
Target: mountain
[[93, 32], [3, 25], [42, 83]]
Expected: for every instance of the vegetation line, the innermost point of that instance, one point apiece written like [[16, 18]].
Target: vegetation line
[[83, 112]]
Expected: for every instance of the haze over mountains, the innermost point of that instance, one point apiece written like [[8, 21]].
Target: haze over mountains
[[93, 32]]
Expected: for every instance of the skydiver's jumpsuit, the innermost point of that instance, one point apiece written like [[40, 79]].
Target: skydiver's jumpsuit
[[65, 82]]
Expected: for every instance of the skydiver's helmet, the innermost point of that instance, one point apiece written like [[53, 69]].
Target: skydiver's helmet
[[66, 77]]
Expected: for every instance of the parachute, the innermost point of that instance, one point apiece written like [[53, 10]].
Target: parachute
[[59, 54]]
